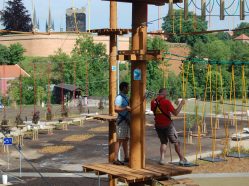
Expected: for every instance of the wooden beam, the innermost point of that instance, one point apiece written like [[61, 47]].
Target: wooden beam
[[153, 2]]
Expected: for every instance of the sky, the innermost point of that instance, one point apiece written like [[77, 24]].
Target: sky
[[99, 13]]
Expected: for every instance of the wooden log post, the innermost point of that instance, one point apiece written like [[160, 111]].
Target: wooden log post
[[185, 9], [138, 85], [242, 9], [222, 9], [203, 9], [112, 84]]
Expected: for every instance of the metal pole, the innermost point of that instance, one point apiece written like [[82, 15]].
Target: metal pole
[[8, 159], [20, 158], [138, 87]]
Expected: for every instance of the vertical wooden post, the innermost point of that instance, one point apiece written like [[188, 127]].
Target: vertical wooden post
[[170, 9], [203, 9], [242, 9], [138, 86], [112, 83], [185, 9], [222, 8]]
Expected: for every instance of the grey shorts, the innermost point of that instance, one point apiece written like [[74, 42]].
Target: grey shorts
[[167, 134], [122, 130]]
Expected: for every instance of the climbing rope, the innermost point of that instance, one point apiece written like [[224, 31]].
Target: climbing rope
[[184, 86], [35, 88]]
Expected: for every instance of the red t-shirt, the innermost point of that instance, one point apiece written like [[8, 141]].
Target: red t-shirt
[[166, 106]]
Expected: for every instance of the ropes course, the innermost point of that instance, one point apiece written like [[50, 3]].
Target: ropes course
[[188, 64]]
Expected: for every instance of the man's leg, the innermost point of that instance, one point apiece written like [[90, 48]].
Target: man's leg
[[117, 145], [125, 147], [163, 148], [178, 151]]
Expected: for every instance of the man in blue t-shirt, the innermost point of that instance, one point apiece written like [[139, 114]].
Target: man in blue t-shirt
[[123, 122]]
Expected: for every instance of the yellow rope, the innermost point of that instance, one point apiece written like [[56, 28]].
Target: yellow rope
[[184, 108], [75, 19], [195, 19], [196, 114], [173, 21], [223, 111], [234, 101], [211, 110], [204, 104], [180, 21]]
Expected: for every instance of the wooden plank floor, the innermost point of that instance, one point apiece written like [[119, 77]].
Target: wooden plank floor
[[105, 117], [151, 171]]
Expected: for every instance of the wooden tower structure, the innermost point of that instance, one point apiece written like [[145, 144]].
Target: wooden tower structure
[[138, 172]]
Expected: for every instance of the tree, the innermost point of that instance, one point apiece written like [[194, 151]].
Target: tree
[[16, 52], [11, 55], [223, 36], [245, 31], [215, 50], [193, 24], [154, 68], [3, 54], [15, 17]]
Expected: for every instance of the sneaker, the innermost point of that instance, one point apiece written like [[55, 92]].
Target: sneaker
[[183, 162], [161, 162], [117, 162], [126, 160]]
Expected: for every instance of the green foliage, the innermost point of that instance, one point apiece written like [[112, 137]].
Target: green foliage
[[11, 55], [192, 120], [223, 36], [15, 16], [174, 86], [245, 31], [215, 50], [3, 54], [16, 52], [154, 68], [157, 43], [89, 54], [193, 24]]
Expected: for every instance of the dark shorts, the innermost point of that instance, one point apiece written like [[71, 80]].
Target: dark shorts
[[167, 134]]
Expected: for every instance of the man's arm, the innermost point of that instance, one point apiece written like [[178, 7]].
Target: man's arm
[[175, 112], [121, 109]]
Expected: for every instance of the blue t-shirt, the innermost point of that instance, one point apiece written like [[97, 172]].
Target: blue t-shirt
[[122, 101]]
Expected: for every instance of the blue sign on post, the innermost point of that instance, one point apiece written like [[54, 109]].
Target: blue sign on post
[[7, 141], [114, 68], [137, 74]]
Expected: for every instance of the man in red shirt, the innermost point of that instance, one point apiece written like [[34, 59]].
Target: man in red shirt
[[162, 109]]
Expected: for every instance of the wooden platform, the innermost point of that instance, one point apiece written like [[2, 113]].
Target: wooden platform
[[105, 117], [107, 31], [128, 175], [182, 182], [153, 2]]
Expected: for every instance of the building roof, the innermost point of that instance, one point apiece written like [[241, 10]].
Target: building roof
[[68, 87], [12, 72], [242, 37]]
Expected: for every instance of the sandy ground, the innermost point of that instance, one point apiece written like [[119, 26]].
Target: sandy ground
[[95, 149]]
